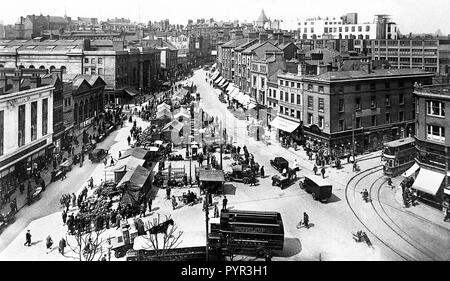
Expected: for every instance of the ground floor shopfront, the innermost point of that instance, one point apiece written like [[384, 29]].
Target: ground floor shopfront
[[22, 164], [360, 140], [430, 184]]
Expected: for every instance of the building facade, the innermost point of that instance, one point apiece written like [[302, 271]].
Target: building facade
[[433, 147], [26, 126], [432, 55], [347, 27], [360, 110]]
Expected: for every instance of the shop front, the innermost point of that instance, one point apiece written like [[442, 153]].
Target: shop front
[[23, 164], [287, 132]]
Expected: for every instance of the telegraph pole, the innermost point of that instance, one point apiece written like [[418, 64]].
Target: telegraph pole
[[353, 133]]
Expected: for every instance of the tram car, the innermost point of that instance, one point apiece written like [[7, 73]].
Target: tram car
[[398, 156]]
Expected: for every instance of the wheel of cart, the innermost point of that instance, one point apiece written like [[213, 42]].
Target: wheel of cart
[[245, 180]]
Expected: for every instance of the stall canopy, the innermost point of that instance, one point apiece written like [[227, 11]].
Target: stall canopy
[[129, 163], [219, 80], [411, 170], [211, 175], [238, 96], [131, 92], [218, 92], [138, 152], [181, 114], [174, 125], [163, 106], [163, 113], [428, 181], [285, 125], [223, 82], [135, 183]]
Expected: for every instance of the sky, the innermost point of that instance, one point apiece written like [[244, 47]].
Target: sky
[[417, 16]]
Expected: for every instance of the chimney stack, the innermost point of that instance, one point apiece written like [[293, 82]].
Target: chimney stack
[[301, 69], [3, 81], [35, 81], [263, 37], [16, 80]]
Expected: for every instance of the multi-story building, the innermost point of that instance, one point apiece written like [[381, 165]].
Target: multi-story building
[[432, 169], [432, 55], [26, 130], [374, 106], [169, 56], [262, 67], [118, 66], [286, 96], [347, 27], [87, 98]]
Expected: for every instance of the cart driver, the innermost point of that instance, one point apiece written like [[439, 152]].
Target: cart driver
[[284, 173]]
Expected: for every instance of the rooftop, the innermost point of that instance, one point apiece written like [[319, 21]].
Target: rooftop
[[442, 90], [336, 76]]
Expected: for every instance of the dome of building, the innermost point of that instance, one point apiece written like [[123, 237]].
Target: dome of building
[[262, 18]]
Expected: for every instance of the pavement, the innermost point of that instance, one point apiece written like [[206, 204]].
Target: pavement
[[46, 175]]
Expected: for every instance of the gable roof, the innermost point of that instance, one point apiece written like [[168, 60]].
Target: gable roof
[[175, 125]]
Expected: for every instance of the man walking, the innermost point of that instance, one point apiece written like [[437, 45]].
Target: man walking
[[129, 140], [224, 202], [262, 173], [62, 245], [64, 216], [315, 169], [27, 238], [323, 172], [168, 193]]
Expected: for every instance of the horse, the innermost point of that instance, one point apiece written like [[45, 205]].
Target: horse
[[162, 227]]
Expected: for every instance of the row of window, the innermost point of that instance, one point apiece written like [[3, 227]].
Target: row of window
[[99, 60], [33, 121], [358, 120], [93, 70]]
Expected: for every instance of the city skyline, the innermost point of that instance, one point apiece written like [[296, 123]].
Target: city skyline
[[427, 18]]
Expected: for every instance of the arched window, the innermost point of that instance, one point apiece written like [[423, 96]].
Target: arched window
[[31, 66], [41, 67], [63, 69], [52, 67]]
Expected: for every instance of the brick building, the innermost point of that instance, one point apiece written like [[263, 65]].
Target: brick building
[[432, 171]]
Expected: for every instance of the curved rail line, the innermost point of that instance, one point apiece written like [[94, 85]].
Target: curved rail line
[[424, 249], [359, 219]]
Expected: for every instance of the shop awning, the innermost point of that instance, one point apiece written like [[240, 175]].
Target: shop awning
[[428, 181], [217, 79], [230, 87], [283, 124], [215, 74], [411, 170], [233, 92]]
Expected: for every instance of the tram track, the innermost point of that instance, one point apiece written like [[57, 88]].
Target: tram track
[[415, 244], [371, 170], [382, 214]]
